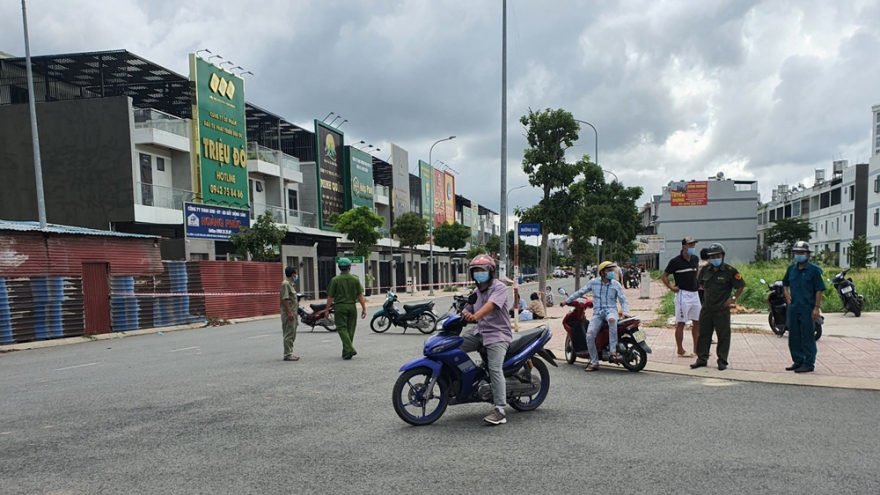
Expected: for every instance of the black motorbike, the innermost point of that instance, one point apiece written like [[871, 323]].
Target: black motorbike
[[634, 279], [417, 316], [852, 301], [778, 317], [317, 318]]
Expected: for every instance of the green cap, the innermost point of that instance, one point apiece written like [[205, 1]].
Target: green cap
[[343, 262]]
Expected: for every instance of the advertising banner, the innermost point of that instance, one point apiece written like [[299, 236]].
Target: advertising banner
[[358, 179], [693, 193], [399, 181], [450, 198], [439, 198], [650, 244], [213, 222], [475, 223], [328, 160], [426, 173], [218, 133]]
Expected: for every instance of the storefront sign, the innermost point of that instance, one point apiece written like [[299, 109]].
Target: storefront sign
[[219, 135], [694, 193], [213, 222], [359, 178], [426, 172], [650, 244], [331, 187], [529, 229], [439, 198], [399, 181], [450, 198]]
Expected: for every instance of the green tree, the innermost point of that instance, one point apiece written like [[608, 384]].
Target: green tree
[[360, 225], [860, 253], [411, 230], [475, 251], [452, 236], [259, 241], [549, 133], [618, 221], [786, 232], [493, 245]]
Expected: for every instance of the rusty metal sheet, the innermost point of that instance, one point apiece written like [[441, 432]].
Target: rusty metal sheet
[[241, 277]]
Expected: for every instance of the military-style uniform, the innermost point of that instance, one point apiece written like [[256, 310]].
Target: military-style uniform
[[345, 289], [288, 327], [717, 285], [803, 283]]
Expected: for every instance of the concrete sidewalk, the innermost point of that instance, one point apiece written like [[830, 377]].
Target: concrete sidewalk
[[849, 350]]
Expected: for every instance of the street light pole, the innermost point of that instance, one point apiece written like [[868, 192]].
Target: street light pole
[[431, 229], [596, 157], [35, 135]]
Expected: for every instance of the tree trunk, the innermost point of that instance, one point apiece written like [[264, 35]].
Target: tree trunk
[[577, 271], [545, 249], [412, 287]]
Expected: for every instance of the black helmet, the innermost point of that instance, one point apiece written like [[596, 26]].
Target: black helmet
[[715, 248]]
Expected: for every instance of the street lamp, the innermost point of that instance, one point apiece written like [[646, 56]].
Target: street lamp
[[431, 230], [612, 173], [596, 157]]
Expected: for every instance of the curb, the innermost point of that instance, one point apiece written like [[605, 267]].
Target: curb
[[850, 383]]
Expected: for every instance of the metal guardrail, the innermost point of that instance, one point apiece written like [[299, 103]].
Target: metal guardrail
[[284, 216], [145, 118], [161, 196]]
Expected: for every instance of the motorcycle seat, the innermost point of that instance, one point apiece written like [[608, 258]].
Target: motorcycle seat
[[318, 307], [522, 339], [412, 307]]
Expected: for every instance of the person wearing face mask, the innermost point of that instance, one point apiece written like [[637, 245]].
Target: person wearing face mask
[[718, 280], [607, 291], [684, 269], [803, 285], [289, 304], [493, 331]]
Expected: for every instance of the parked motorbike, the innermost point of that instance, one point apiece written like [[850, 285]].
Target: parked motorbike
[[634, 279], [459, 301], [417, 316], [317, 317], [447, 376], [778, 317], [852, 301], [631, 345]]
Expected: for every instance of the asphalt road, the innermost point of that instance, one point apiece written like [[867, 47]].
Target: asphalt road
[[216, 411]]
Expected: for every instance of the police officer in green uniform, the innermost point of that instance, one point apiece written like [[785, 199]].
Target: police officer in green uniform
[[718, 279], [289, 304], [803, 287], [345, 290]]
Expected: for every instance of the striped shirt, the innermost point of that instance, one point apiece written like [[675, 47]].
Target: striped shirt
[[605, 296]]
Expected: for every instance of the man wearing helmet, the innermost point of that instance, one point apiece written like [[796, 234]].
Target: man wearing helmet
[[718, 280], [607, 291], [492, 331], [345, 290], [803, 285]]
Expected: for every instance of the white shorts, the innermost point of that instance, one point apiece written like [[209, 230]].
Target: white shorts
[[687, 306]]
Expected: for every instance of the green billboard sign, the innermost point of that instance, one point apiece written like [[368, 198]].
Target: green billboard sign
[[331, 180], [358, 178], [218, 109], [426, 172]]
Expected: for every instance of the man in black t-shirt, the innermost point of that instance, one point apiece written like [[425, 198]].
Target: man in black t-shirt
[[683, 268]]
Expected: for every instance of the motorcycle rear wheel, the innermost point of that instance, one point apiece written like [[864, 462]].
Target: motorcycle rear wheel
[[331, 326], [570, 355], [854, 308], [408, 392], [633, 358], [774, 326], [380, 323], [426, 323], [818, 330], [535, 400]]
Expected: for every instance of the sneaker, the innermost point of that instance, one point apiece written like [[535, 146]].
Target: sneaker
[[496, 418]]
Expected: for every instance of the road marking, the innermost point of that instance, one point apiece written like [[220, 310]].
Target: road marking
[[77, 366], [260, 336], [717, 382], [187, 348]]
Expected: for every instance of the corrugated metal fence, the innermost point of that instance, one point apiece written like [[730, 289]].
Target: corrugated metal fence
[[260, 281]]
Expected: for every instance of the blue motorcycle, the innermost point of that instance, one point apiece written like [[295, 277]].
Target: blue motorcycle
[[446, 375]]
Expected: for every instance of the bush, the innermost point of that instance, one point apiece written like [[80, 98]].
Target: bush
[[450, 288]]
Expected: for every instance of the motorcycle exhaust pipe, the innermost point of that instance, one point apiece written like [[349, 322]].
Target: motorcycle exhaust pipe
[[514, 386]]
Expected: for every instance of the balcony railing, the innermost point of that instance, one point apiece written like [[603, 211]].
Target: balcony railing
[[285, 216], [382, 190], [145, 118], [162, 197], [268, 155]]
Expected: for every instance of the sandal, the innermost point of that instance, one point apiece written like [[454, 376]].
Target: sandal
[[592, 367], [615, 357]]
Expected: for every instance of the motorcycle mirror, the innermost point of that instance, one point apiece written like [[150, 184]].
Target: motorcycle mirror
[[472, 299], [763, 282], [562, 291]]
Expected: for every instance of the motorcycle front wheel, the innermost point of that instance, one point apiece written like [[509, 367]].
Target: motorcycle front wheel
[[633, 358], [426, 323], [409, 399], [854, 307], [380, 323], [818, 329], [532, 402], [570, 355]]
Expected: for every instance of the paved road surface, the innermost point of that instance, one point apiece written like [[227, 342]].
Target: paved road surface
[[216, 411]]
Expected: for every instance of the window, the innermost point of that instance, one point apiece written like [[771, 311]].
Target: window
[[852, 193], [259, 186], [877, 217], [788, 211], [160, 164], [198, 257], [779, 213], [825, 229], [292, 200], [760, 216], [877, 184], [835, 196], [837, 225], [796, 209], [825, 199], [772, 215], [850, 221]]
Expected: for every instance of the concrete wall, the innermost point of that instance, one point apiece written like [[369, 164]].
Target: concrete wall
[[86, 149], [729, 217]]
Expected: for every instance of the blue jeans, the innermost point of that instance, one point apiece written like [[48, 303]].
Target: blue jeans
[[593, 330], [802, 338]]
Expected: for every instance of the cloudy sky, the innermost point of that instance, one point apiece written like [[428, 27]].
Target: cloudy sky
[[764, 90]]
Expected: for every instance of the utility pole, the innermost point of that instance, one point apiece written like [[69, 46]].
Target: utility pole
[[503, 254], [35, 136]]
